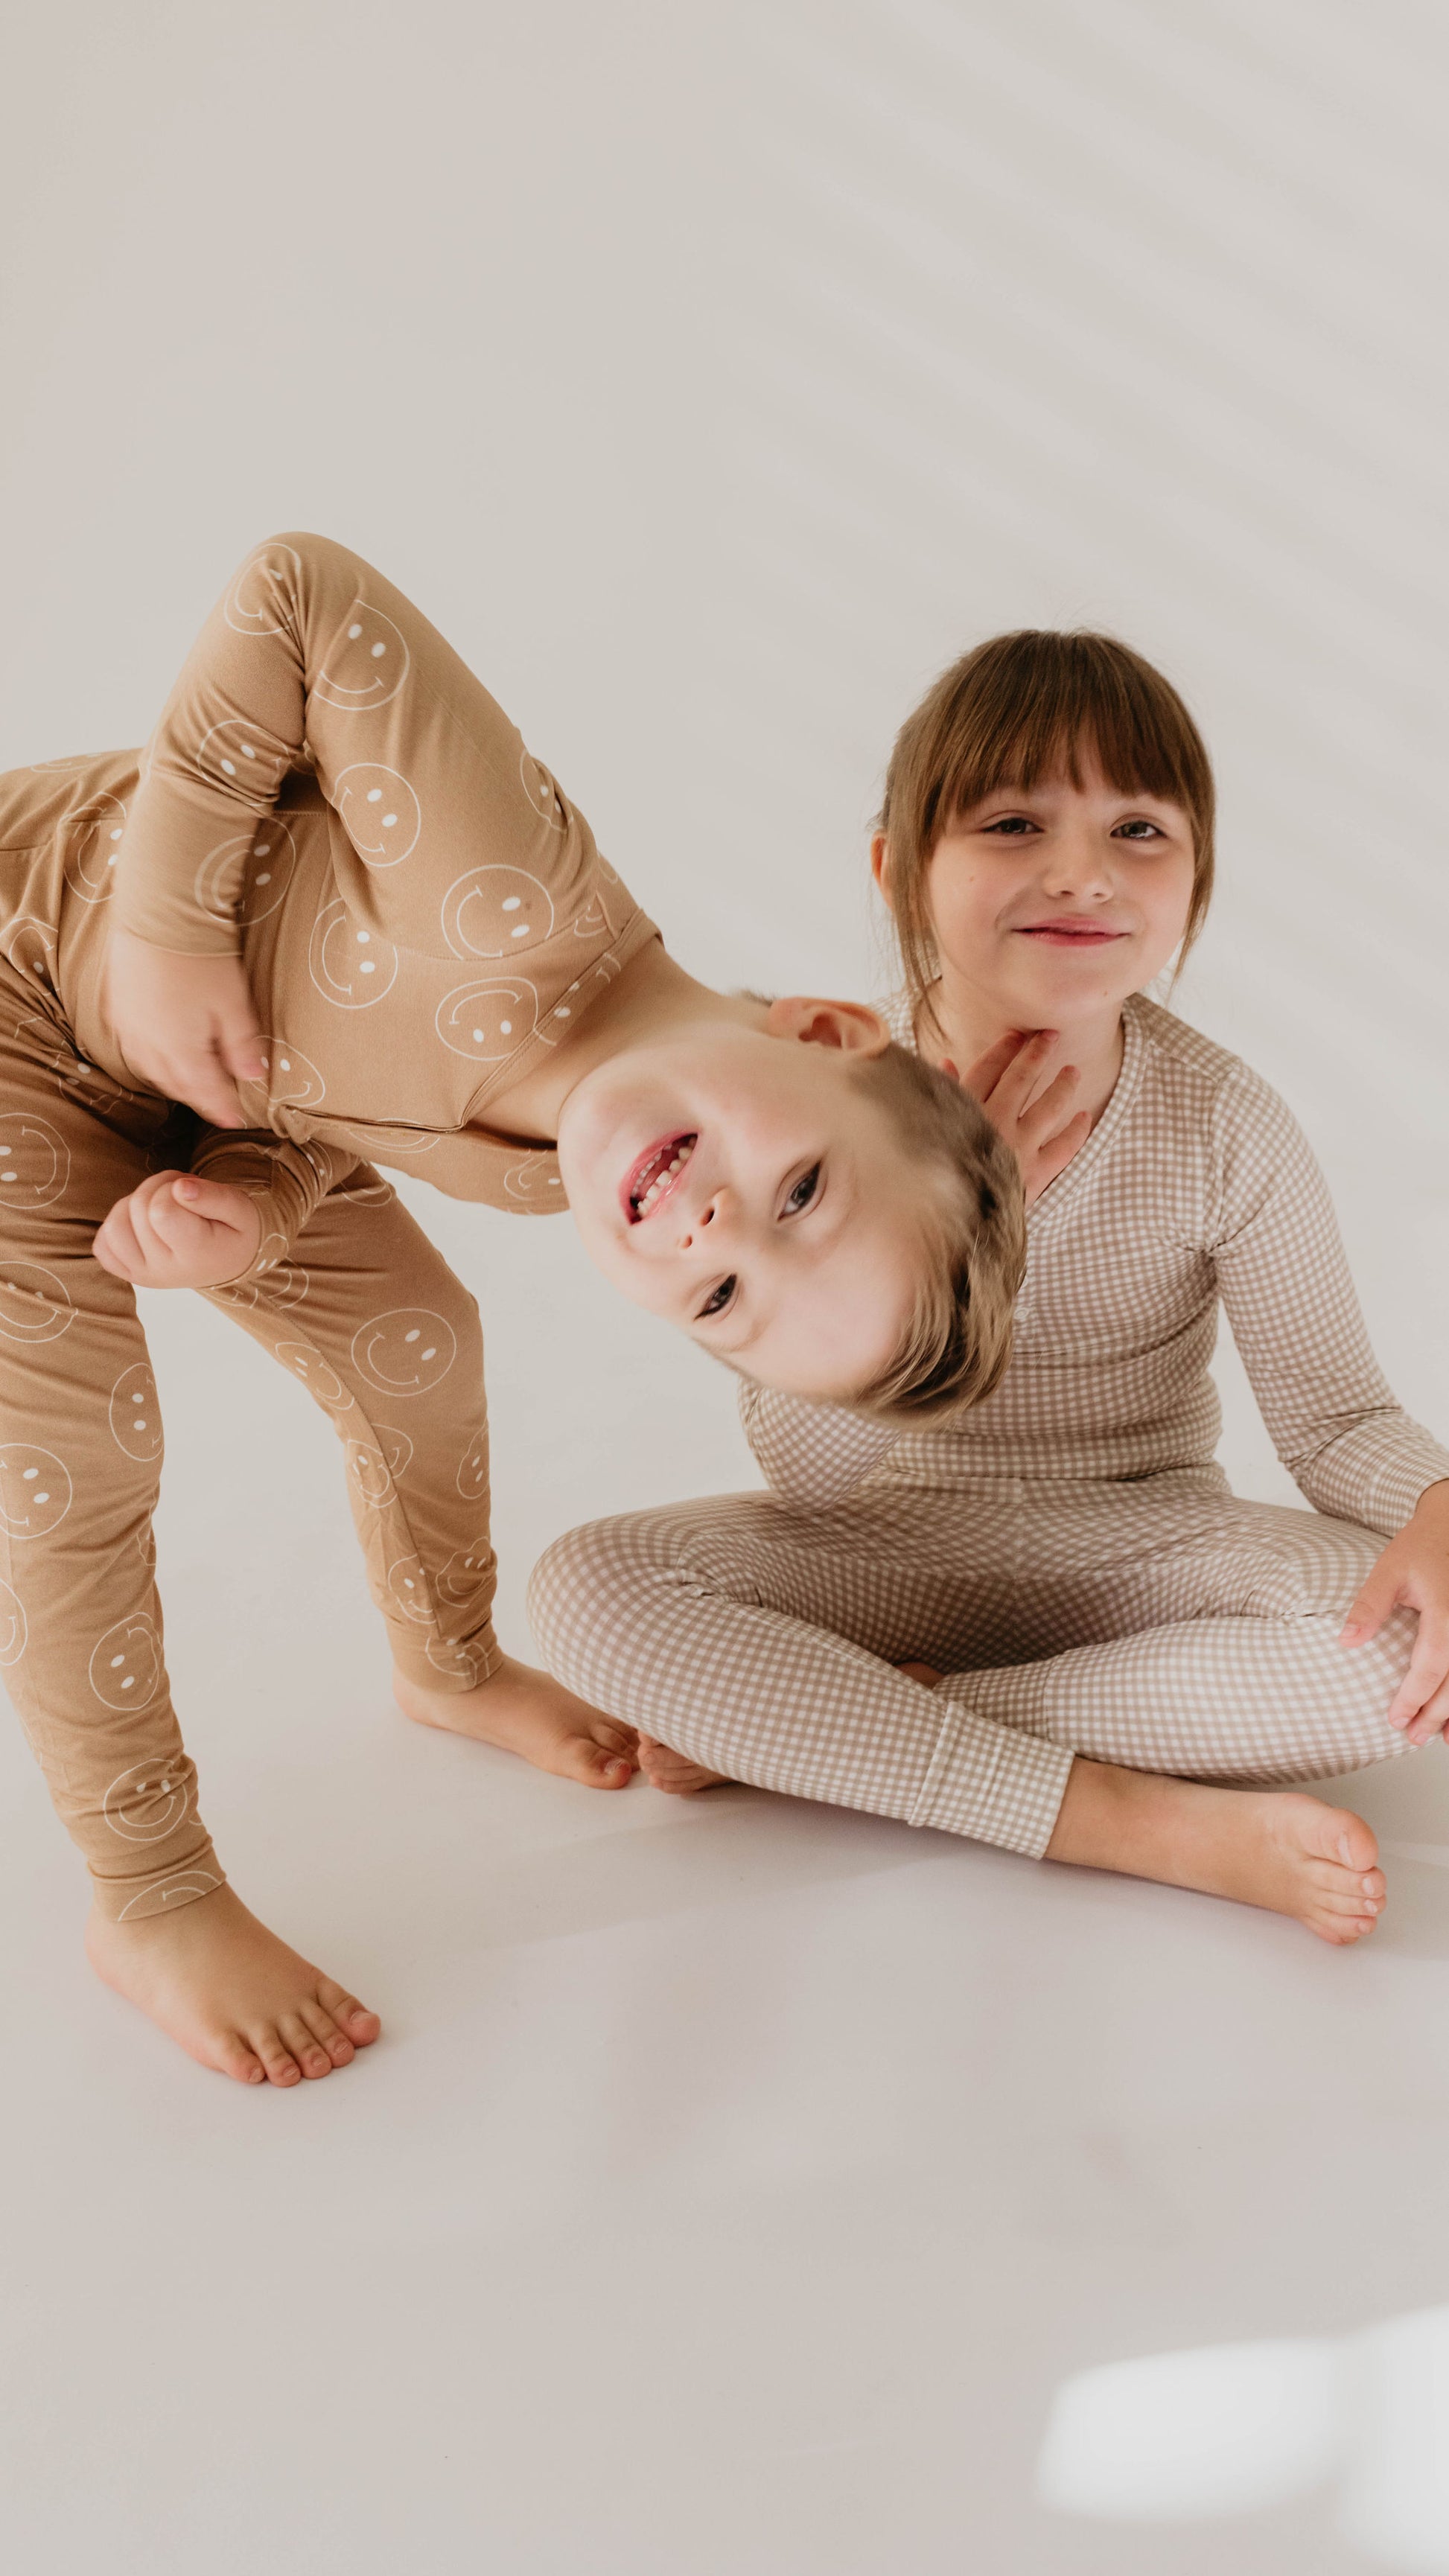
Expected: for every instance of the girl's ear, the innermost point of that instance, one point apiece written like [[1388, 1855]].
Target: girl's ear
[[851, 1026], [880, 868]]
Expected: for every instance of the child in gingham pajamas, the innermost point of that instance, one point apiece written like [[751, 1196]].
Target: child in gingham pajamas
[[1114, 1645]]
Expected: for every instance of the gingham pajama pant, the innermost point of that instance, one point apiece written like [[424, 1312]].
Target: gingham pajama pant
[[1161, 1624]]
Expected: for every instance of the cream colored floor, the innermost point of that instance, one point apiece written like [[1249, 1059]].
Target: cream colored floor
[[737, 2185]]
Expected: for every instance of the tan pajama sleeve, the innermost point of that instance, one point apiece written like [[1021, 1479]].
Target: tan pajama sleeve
[[288, 1182]]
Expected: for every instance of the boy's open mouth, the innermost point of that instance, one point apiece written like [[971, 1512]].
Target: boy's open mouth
[[654, 1175]]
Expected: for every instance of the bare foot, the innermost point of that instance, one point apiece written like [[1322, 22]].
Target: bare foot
[[1275, 1848], [674, 1773], [235, 1996], [528, 1712]]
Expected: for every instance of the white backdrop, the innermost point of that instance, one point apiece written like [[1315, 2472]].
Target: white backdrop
[[712, 375], [736, 2181]]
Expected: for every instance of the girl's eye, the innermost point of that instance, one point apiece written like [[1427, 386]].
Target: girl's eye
[[803, 1191], [1139, 829], [718, 1298], [1014, 825]]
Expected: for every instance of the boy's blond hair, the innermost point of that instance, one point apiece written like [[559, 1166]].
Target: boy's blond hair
[[958, 1341]]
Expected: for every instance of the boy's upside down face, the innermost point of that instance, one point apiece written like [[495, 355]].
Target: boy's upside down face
[[807, 1201]]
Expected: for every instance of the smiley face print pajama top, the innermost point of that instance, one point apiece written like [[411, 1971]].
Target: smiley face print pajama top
[[331, 794]]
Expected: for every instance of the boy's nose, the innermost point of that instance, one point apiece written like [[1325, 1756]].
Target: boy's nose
[[708, 1221]]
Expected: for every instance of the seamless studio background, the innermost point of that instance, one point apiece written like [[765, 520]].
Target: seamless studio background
[[711, 375]]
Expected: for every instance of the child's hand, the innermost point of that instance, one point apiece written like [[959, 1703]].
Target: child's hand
[[176, 1231], [185, 1024], [1413, 1574], [1041, 1132]]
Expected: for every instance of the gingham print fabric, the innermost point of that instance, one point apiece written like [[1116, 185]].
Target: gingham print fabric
[[1196, 1186], [1067, 1554], [420, 910]]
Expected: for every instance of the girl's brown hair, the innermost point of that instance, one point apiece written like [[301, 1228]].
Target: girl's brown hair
[[1020, 709]]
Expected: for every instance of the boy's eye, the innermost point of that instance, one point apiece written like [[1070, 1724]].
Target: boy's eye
[[803, 1191], [718, 1298]]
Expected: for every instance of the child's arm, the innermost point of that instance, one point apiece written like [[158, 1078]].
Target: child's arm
[[1333, 1418], [229, 1220]]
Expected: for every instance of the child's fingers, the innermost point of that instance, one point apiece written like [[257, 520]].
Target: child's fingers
[[1422, 1691], [1380, 1595], [1012, 1092], [1042, 1115], [115, 1246], [986, 1072], [1054, 1156], [217, 1202]]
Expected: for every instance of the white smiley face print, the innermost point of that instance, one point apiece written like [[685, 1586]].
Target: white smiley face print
[[34, 1162], [93, 849], [165, 1899], [468, 1572], [126, 1670], [35, 1490], [252, 605], [558, 1023], [317, 1375], [30, 946], [541, 792], [407, 1590], [244, 759], [373, 1469], [380, 812], [367, 662], [407, 1351], [594, 922], [148, 1802], [350, 966], [75, 1079], [293, 1080], [283, 1286], [488, 1021], [472, 1476], [136, 1413], [34, 1307], [496, 912], [535, 1184], [267, 860], [461, 1663], [13, 1628]]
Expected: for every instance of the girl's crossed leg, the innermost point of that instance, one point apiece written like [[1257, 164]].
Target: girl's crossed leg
[[1116, 1660]]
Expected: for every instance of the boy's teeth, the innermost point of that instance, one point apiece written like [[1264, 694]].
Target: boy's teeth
[[661, 1179]]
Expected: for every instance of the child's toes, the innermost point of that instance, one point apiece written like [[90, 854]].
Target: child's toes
[[310, 2056], [281, 2066], [326, 2033], [361, 2026], [235, 2059]]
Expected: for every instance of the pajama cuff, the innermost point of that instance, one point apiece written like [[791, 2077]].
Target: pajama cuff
[[993, 1783], [442, 1663], [159, 1891]]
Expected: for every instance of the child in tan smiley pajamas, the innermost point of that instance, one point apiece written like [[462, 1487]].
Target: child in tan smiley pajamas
[[325, 781]]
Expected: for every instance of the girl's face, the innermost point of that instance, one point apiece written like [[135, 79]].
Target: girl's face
[[1053, 904]]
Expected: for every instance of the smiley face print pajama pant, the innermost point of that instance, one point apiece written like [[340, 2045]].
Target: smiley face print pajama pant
[[368, 1317]]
